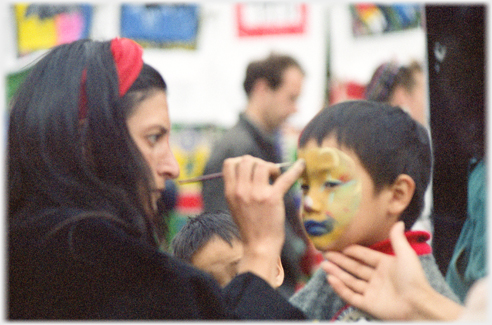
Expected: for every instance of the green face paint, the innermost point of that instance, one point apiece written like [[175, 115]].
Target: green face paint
[[331, 194]]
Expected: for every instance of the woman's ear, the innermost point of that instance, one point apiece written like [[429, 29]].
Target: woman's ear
[[401, 194], [279, 279]]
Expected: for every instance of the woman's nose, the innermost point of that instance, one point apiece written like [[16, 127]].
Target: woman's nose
[[168, 166]]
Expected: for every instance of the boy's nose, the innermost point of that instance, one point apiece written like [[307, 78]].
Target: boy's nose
[[308, 204]]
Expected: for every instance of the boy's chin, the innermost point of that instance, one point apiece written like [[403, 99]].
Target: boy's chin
[[324, 245], [333, 241]]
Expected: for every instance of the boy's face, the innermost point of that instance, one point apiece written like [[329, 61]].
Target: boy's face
[[339, 206], [219, 259]]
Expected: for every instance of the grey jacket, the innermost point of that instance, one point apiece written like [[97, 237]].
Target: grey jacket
[[319, 301]]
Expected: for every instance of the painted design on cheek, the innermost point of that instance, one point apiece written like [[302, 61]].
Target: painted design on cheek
[[331, 194], [332, 197]]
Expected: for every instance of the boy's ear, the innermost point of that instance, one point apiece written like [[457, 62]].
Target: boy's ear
[[279, 279], [401, 194]]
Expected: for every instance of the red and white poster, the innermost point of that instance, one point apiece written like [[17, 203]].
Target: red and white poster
[[271, 18]]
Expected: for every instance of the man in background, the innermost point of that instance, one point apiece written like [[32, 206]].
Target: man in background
[[272, 86]]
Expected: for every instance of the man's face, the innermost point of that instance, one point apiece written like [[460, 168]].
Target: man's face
[[282, 102]]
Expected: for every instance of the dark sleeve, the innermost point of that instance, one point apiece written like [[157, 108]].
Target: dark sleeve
[[121, 277], [250, 297]]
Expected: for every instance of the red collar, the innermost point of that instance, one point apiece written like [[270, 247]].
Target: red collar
[[417, 239]]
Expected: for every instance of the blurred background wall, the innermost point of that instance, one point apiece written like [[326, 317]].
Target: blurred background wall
[[202, 49]]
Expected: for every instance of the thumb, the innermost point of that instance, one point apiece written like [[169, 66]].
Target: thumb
[[398, 240], [287, 179]]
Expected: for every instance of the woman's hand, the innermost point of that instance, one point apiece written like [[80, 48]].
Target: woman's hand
[[388, 287], [258, 209]]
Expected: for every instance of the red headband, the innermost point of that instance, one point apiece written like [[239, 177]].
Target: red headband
[[127, 55]]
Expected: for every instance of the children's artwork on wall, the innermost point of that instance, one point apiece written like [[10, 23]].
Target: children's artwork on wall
[[191, 145], [161, 25], [271, 18], [370, 19], [42, 26]]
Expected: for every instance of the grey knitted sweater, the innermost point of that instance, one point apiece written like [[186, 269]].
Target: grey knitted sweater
[[320, 302]]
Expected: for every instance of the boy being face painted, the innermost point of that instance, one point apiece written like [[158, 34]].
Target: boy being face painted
[[331, 194]]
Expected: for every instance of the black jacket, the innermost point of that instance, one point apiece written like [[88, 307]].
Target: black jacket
[[93, 269]]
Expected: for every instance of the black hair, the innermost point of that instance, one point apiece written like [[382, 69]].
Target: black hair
[[59, 160], [199, 229], [387, 141], [271, 69], [387, 77]]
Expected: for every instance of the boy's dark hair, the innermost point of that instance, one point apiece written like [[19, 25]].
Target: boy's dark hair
[[271, 69], [387, 141], [199, 230]]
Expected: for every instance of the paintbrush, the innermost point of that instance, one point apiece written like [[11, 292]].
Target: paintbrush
[[217, 175]]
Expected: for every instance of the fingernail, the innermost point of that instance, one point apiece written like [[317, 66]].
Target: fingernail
[[301, 162]]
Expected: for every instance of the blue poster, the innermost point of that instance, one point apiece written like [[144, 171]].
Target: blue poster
[[161, 25]]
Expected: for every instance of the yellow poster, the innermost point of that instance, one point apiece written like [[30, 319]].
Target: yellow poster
[[41, 27]]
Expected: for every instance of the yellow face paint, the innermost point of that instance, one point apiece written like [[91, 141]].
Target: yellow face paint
[[331, 194]]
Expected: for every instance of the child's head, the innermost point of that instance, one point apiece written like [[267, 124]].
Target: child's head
[[211, 242], [376, 172]]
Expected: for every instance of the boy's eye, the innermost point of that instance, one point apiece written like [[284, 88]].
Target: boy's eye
[[304, 187], [332, 183]]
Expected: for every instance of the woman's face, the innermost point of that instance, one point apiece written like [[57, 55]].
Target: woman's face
[[150, 127]]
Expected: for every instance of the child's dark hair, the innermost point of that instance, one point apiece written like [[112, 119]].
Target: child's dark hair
[[387, 141], [199, 230]]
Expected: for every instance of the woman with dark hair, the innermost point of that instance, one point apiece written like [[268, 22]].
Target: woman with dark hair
[[88, 156]]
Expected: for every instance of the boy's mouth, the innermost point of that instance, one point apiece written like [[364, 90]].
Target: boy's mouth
[[316, 228]]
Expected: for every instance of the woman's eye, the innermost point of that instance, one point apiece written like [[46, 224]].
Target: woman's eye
[[304, 187], [332, 184], [153, 138]]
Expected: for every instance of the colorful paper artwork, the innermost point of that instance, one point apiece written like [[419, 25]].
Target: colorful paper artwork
[[191, 145], [271, 18], [369, 19], [42, 26], [161, 25]]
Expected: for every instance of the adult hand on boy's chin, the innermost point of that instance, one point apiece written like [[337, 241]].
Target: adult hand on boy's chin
[[387, 287], [258, 210]]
